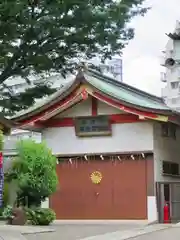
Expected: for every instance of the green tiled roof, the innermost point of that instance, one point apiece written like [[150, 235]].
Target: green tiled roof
[[46, 101], [125, 93], [117, 90]]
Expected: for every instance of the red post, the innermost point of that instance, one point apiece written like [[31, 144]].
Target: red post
[[166, 213]]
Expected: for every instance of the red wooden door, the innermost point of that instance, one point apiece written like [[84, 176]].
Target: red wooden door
[[120, 195]]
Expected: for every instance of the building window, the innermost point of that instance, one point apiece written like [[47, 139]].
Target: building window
[[164, 129], [174, 85], [172, 131], [169, 130], [174, 100], [170, 168]]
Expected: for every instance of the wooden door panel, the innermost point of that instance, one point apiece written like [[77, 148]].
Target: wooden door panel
[[120, 195]]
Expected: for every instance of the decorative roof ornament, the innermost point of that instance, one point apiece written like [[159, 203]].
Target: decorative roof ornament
[[83, 67]]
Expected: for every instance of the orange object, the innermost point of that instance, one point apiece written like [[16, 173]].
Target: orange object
[[166, 213]]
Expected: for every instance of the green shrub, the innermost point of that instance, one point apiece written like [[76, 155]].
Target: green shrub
[[34, 169], [7, 213], [40, 216], [5, 194], [1, 140]]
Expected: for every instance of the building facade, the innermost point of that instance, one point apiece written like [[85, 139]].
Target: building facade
[[113, 144], [171, 75]]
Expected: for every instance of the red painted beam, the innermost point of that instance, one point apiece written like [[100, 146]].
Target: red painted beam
[[124, 118], [51, 108], [122, 107], [61, 122], [114, 119], [94, 106]]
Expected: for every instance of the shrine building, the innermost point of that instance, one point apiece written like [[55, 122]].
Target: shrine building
[[117, 149]]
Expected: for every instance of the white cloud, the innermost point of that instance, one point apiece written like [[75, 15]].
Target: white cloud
[[142, 56]]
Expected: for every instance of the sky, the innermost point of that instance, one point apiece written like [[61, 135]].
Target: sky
[[141, 58]]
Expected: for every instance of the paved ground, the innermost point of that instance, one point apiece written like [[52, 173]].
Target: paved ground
[[9, 232], [80, 231], [166, 234], [11, 236], [91, 231]]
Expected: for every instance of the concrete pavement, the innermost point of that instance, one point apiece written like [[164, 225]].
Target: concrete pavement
[[76, 230], [166, 234], [11, 236], [96, 231], [90, 231], [132, 233], [9, 232]]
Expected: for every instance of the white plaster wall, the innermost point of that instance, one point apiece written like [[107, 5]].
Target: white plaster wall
[[125, 138], [152, 209], [80, 109], [104, 109], [85, 109], [165, 149]]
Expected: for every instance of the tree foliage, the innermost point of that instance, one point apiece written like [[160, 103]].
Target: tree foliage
[[1, 140], [35, 172], [47, 36]]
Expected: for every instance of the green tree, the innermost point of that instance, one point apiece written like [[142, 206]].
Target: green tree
[[35, 172], [1, 140], [43, 37], [5, 184]]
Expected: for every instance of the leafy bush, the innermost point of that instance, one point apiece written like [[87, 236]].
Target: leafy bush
[[40, 216], [35, 172], [7, 213], [1, 140], [5, 194]]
